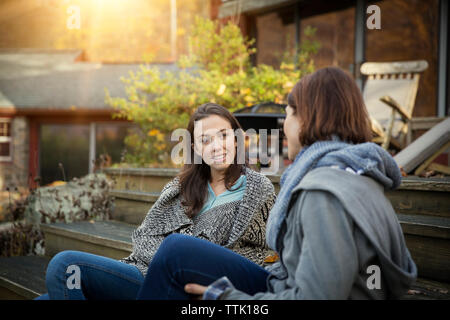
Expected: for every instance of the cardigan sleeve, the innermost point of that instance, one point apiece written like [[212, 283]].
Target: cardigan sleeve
[[252, 243], [145, 241]]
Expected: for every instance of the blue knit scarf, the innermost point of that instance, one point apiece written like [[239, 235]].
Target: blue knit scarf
[[366, 159]]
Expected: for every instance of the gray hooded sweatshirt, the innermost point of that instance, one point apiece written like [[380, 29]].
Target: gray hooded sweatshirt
[[340, 240]]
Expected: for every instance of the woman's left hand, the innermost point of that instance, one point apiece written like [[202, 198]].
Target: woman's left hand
[[196, 289]]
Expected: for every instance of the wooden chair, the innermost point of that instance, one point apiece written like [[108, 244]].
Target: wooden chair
[[390, 94]]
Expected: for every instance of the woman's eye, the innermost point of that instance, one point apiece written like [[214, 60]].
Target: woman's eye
[[206, 140]]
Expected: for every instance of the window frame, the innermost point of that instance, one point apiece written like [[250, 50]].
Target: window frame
[[7, 139]]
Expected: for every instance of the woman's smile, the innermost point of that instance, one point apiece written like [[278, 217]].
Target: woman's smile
[[218, 158]]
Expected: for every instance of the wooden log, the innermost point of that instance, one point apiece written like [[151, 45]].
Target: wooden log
[[424, 147], [439, 168], [422, 167]]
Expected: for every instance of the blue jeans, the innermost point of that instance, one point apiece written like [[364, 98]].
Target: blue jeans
[[183, 259], [100, 278]]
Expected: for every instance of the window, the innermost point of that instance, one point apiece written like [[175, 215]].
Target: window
[[409, 31], [335, 32], [5, 139], [110, 142], [275, 36], [67, 144]]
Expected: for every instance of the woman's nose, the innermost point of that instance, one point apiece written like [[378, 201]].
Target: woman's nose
[[217, 145]]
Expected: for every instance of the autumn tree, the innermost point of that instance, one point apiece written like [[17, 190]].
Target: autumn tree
[[216, 69]]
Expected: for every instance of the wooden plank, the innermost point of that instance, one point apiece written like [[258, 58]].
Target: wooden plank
[[108, 238], [31, 284], [417, 202], [431, 255], [132, 206], [422, 167], [130, 211], [374, 68], [425, 289], [142, 183], [439, 168], [428, 240], [148, 197], [408, 183], [425, 184], [396, 106], [427, 226], [162, 172], [22, 277], [56, 243], [108, 230], [423, 147], [425, 123]]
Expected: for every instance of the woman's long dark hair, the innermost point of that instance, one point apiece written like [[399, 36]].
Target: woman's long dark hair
[[194, 177]]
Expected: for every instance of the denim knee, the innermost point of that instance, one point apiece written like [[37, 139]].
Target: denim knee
[[174, 247], [58, 264], [173, 241]]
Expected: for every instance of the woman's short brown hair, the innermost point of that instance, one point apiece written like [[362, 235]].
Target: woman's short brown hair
[[328, 102]]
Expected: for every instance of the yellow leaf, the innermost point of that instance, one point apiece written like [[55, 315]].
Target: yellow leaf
[[221, 89], [246, 91], [271, 258], [160, 137], [288, 85], [153, 132], [56, 183]]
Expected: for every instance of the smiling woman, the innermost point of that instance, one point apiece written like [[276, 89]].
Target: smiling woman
[[212, 127], [217, 200]]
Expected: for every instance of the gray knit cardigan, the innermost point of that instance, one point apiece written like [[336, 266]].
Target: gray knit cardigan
[[238, 225]]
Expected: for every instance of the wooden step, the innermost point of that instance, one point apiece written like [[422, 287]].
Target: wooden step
[[421, 196], [22, 277], [141, 179], [132, 206], [415, 195], [425, 289], [152, 179], [426, 226], [106, 238], [428, 240]]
